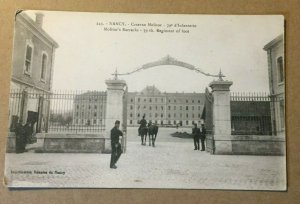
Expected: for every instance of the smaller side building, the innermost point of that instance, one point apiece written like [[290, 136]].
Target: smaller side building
[[275, 53], [32, 70]]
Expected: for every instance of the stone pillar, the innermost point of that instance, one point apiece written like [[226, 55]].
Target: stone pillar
[[114, 106], [221, 116]]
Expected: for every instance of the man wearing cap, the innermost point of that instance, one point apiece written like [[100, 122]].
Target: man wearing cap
[[116, 149], [203, 137]]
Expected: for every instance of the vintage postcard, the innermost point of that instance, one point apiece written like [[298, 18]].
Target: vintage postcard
[[115, 100]]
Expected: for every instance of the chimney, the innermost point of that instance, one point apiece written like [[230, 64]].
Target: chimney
[[39, 19]]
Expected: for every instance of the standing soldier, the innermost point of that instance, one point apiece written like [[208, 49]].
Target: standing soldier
[[20, 137], [202, 137], [196, 134], [116, 149]]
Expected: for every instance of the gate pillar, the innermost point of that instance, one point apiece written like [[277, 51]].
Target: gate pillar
[[221, 116], [114, 106]]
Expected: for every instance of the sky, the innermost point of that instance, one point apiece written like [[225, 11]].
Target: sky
[[88, 55]]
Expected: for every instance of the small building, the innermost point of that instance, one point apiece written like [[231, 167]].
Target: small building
[[275, 53], [32, 70]]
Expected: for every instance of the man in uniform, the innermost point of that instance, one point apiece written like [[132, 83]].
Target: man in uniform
[[143, 123], [196, 135], [116, 149], [202, 137]]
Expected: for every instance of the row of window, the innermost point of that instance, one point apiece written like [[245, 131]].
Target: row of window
[[89, 106], [82, 114], [162, 100], [162, 107], [162, 115], [87, 122], [169, 122], [29, 60]]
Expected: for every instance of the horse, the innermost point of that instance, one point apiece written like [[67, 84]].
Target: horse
[[152, 131], [143, 133]]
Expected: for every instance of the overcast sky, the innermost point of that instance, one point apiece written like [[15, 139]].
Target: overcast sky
[[87, 55]]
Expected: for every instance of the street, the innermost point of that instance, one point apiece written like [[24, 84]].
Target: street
[[171, 164]]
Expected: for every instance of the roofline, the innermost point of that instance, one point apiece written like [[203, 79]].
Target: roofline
[[273, 42], [31, 22]]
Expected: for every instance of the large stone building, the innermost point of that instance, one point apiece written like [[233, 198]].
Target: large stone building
[[275, 51], [165, 109], [32, 70]]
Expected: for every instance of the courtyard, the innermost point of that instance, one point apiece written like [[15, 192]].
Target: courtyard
[[171, 164]]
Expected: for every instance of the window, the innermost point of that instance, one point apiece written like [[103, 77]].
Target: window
[[144, 99], [131, 100], [76, 113], [162, 115], [169, 107], [169, 101], [187, 101], [174, 107], [131, 107], [162, 100], [150, 114], [180, 107], [95, 106], [193, 115], [77, 106], [174, 100], [44, 66], [169, 115], [187, 115], [162, 108], [130, 114], [95, 114], [150, 100], [186, 108], [192, 107], [155, 107], [139, 99], [181, 115], [198, 107], [138, 107], [199, 115], [198, 101], [138, 115], [187, 122], [174, 122], [28, 58], [130, 122], [280, 69], [150, 108], [174, 115], [95, 122], [155, 114], [89, 107], [192, 101]]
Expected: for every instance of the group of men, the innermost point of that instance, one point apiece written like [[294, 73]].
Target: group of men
[[199, 134]]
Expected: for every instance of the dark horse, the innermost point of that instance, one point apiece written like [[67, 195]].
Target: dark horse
[[143, 133], [152, 131]]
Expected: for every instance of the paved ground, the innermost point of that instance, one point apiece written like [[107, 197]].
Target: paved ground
[[171, 164]]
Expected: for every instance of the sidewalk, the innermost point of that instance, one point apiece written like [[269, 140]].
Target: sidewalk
[[168, 165]]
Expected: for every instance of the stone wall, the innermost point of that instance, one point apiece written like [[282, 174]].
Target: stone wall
[[74, 143], [247, 145]]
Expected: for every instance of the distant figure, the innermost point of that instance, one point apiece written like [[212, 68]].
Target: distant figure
[[116, 149], [143, 123], [152, 130], [143, 130], [203, 137], [20, 138], [196, 135]]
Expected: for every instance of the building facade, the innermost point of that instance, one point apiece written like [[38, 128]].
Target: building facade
[[167, 109], [32, 70], [275, 53]]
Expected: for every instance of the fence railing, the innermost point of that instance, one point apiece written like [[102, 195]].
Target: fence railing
[[59, 111], [254, 113]]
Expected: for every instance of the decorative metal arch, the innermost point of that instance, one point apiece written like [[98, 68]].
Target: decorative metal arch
[[168, 60]]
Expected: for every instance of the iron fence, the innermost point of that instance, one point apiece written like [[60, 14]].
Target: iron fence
[[59, 111], [253, 113]]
